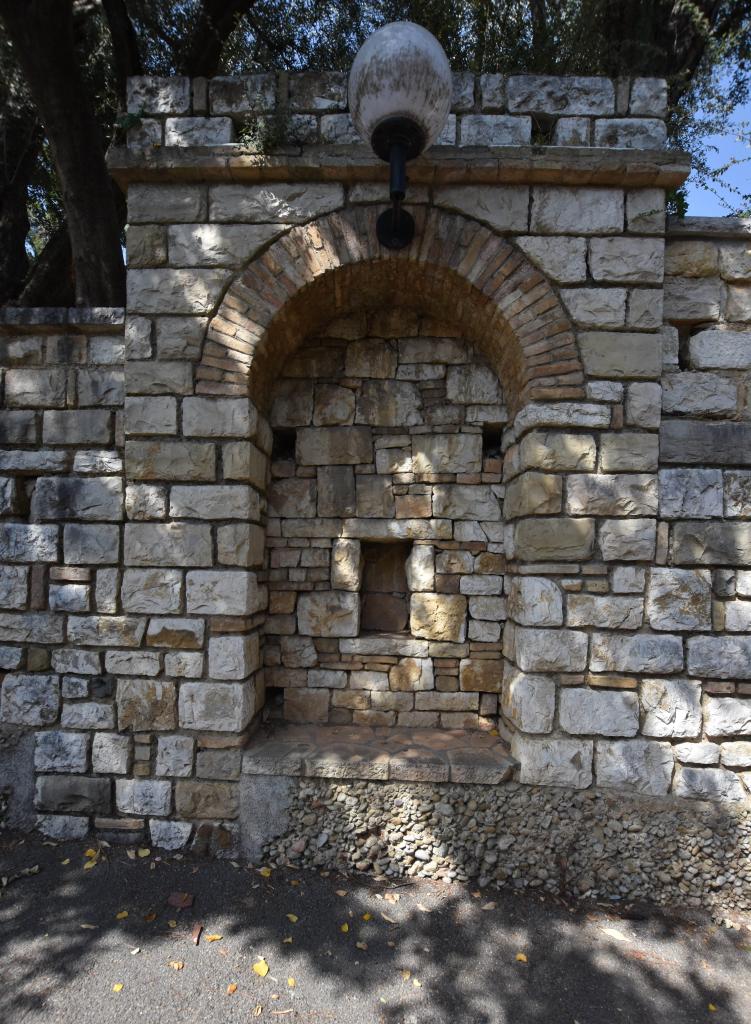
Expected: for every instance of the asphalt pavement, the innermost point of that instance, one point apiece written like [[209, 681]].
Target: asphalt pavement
[[108, 944]]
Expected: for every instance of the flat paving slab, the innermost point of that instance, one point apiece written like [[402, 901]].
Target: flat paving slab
[[337, 949], [380, 753]]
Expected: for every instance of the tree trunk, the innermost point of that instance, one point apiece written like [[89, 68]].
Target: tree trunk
[[125, 55], [21, 139], [41, 32], [50, 282]]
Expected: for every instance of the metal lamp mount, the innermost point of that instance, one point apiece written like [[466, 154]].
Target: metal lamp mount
[[397, 140]]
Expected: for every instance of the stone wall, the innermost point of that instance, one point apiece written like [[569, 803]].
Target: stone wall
[[149, 605]]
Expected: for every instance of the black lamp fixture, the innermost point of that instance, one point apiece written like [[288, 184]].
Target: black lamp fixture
[[399, 100]]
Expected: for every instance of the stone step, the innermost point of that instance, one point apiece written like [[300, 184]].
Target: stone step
[[384, 754]]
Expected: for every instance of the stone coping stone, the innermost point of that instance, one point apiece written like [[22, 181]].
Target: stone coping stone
[[103, 319], [562, 165], [380, 753], [715, 227]]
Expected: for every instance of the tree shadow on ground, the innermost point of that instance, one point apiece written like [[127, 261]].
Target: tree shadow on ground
[[433, 955]]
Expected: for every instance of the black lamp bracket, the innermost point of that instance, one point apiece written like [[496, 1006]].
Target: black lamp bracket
[[397, 140]]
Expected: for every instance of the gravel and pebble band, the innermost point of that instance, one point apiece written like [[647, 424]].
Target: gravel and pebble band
[[574, 844]]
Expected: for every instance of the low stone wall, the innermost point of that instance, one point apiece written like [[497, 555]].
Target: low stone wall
[[580, 845]]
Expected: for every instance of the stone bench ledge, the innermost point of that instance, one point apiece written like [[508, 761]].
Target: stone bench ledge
[[380, 754], [560, 165], [709, 227], [101, 319]]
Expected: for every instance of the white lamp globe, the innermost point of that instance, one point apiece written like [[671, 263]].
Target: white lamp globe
[[400, 80]]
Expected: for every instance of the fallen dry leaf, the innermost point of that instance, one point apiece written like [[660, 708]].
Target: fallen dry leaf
[[344, 928], [392, 897], [88, 927], [90, 852], [121, 915], [261, 968], [144, 851], [196, 933], [288, 940], [366, 916], [488, 906], [181, 900], [341, 892], [136, 950], [423, 908], [386, 917], [406, 975], [151, 916], [416, 983], [257, 1010], [66, 861], [176, 965], [172, 923], [264, 872], [521, 958], [231, 989], [291, 983], [615, 934], [213, 938], [293, 918], [118, 987], [362, 945], [130, 854], [89, 865], [712, 1008]]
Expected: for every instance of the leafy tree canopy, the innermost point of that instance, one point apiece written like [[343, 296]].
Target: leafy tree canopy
[[64, 64]]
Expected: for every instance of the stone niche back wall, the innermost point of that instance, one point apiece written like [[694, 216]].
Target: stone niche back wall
[[388, 409]]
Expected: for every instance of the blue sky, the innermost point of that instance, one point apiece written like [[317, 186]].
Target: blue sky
[[702, 203]]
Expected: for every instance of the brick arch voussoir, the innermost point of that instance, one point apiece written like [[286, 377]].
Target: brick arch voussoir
[[506, 305]]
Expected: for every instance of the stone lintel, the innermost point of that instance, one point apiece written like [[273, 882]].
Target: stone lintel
[[550, 165]]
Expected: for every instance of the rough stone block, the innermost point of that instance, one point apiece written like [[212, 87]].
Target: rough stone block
[[439, 617], [577, 211], [553, 762], [645, 211], [607, 712], [727, 716], [605, 612], [219, 417], [630, 133], [29, 699], [76, 795], [346, 564], [629, 451], [215, 501], [625, 494], [334, 446], [169, 835], [528, 700], [712, 543], [145, 705], [78, 498], [447, 453], [233, 657], [35, 388], [218, 707], [705, 394], [720, 350], [281, 203], [306, 705], [504, 208], [151, 590], [545, 539], [627, 260], [463, 501], [163, 290], [57, 751], [495, 130], [690, 493], [640, 653], [110, 754], [562, 259], [638, 766], [224, 592], [77, 426], [198, 131], [411, 675], [671, 708], [708, 784], [692, 300], [616, 355], [293, 497], [535, 601], [679, 599], [88, 715], [151, 94], [13, 586], [174, 756], [143, 796], [169, 460], [170, 544], [333, 613], [150, 415], [596, 307], [550, 650]]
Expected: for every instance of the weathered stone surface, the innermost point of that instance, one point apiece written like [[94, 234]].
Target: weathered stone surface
[[233, 657], [73, 795], [175, 633], [439, 617], [528, 700], [282, 203], [692, 300], [720, 350], [495, 130], [334, 405], [110, 754], [169, 835], [462, 501], [736, 755], [145, 704], [607, 712], [560, 258], [33, 388], [306, 705], [473, 385], [480, 675], [218, 417], [550, 650], [193, 291], [671, 708], [78, 498], [174, 755], [738, 305], [447, 453], [543, 94], [420, 568], [151, 94], [706, 394], [375, 497], [370, 358], [207, 799], [571, 131], [334, 446], [553, 762], [13, 586], [223, 592], [649, 97], [627, 260], [578, 211], [533, 493], [712, 543], [389, 404], [218, 707], [596, 307], [708, 784], [143, 796], [295, 496], [151, 590], [727, 716], [88, 715], [553, 450], [640, 653], [328, 613], [719, 657], [628, 451], [625, 494], [645, 211], [737, 493], [697, 753], [630, 354], [57, 751], [29, 699], [604, 612], [292, 404], [691, 258], [535, 601], [679, 599], [411, 674], [169, 460], [504, 208], [545, 539], [630, 133], [172, 544], [690, 493], [639, 766]]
